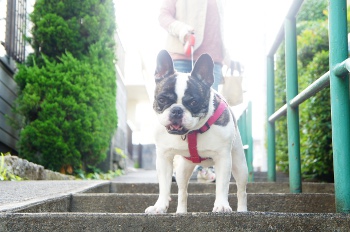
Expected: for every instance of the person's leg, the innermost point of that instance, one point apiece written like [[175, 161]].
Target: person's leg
[[184, 66], [217, 76]]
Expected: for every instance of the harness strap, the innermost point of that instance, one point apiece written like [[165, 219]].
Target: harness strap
[[192, 136], [192, 147]]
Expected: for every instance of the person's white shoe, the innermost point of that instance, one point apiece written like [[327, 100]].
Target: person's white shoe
[[205, 175]]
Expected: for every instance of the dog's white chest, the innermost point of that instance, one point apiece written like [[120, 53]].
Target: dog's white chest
[[209, 143]]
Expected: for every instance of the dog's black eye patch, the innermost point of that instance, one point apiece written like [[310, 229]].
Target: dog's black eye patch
[[196, 98], [163, 101], [165, 94], [192, 102]]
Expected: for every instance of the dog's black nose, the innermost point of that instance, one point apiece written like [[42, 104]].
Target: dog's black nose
[[176, 112]]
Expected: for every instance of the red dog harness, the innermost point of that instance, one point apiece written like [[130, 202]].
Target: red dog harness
[[192, 136]]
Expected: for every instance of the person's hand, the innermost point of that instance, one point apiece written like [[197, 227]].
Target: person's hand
[[184, 32], [188, 36]]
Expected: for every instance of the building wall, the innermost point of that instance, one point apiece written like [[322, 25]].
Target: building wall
[[8, 93], [121, 136]]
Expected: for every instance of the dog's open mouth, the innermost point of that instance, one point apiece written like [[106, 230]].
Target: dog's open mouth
[[176, 129]]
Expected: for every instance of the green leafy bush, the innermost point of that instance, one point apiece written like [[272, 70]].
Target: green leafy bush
[[67, 89], [96, 174], [315, 113], [73, 26]]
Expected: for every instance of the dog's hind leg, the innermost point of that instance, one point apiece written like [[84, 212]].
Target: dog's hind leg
[[184, 171], [240, 173]]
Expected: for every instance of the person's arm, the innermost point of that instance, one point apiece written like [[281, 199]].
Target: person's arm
[[168, 21]]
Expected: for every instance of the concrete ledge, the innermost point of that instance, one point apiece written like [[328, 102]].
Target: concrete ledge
[[31, 171], [250, 221]]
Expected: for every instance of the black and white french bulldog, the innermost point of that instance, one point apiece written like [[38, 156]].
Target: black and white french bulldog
[[193, 116]]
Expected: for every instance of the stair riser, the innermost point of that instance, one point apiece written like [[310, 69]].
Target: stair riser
[[169, 222], [210, 188], [137, 203], [308, 203]]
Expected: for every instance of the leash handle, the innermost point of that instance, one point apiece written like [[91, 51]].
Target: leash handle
[[189, 46], [192, 56], [191, 39]]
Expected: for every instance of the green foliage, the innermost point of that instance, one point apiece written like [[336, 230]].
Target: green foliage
[[280, 100], [136, 164], [120, 152], [315, 123], [97, 174], [73, 26], [315, 117], [311, 40], [313, 10], [67, 89], [4, 175]]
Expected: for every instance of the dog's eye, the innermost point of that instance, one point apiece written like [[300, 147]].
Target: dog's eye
[[162, 100], [193, 103]]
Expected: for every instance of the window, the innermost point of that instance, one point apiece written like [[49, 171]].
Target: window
[[15, 29]]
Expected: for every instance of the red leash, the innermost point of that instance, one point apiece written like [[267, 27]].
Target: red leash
[[192, 136]]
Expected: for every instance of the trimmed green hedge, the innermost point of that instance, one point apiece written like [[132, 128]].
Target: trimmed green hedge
[[67, 89]]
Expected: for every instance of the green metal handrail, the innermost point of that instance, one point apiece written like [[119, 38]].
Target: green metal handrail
[[338, 80], [245, 127], [310, 91]]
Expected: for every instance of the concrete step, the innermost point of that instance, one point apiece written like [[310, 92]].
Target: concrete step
[[194, 187], [262, 177], [137, 203], [106, 222], [258, 177], [134, 198], [120, 206]]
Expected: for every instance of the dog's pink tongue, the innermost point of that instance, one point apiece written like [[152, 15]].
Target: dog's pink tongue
[[176, 127]]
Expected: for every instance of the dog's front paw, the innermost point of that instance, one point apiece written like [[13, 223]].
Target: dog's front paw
[[156, 209], [161, 206], [242, 209], [222, 208], [181, 210]]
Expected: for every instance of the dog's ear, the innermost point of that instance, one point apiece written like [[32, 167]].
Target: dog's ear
[[165, 66], [204, 69]]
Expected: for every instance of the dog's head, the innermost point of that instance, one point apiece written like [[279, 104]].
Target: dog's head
[[181, 100]]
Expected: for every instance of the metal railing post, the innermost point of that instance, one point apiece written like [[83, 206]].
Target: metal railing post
[[271, 156], [244, 125], [250, 143], [338, 46], [292, 113]]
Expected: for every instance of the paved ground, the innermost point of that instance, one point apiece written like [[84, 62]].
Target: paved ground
[[15, 194], [134, 175]]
